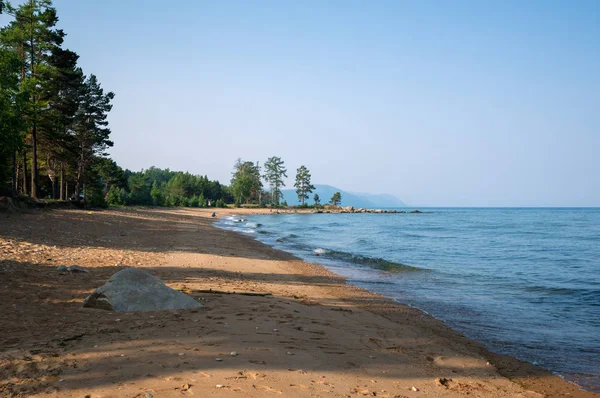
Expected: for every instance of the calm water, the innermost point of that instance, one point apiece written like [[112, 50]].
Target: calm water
[[525, 282]]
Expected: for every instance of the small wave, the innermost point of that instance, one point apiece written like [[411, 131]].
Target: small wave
[[245, 230], [286, 238], [320, 251], [234, 219], [583, 293], [372, 262], [371, 282]]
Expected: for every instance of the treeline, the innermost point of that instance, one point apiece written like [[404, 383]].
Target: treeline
[[157, 187], [53, 118], [247, 184], [54, 133]]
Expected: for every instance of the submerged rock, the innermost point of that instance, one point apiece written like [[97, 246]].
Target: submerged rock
[[132, 289]]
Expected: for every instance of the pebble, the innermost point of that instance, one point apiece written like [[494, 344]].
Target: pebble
[[276, 330], [415, 389], [289, 353], [218, 359], [148, 395], [62, 268], [181, 354], [234, 353], [220, 386]]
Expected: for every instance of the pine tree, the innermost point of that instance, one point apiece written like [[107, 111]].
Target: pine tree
[[245, 183], [274, 173], [63, 95], [33, 38], [317, 199], [336, 199], [10, 118], [91, 132], [303, 185]]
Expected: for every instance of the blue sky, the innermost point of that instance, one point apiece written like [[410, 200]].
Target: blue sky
[[445, 103]]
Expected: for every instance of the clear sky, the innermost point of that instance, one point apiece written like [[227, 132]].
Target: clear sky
[[442, 103]]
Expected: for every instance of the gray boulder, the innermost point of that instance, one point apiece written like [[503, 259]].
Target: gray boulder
[[132, 289]]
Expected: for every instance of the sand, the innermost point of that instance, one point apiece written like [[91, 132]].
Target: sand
[[309, 335]]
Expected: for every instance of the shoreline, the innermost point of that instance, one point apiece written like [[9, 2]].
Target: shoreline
[[316, 335], [507, 365]]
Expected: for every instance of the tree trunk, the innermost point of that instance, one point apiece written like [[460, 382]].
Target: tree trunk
[[32, 65], [25, 173], [13, 180], [67, 190], [18, 177], [62, 175], [34, 169], [79, 174]]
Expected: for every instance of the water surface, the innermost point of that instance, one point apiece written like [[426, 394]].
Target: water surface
[[525, 282]]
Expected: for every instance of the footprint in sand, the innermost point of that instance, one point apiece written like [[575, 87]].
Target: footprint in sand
[[266, 388], [299, 386]]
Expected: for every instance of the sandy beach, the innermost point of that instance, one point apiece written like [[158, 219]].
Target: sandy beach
[[304, 332]]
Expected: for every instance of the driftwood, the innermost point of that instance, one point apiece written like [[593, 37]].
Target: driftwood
[[226, 292]]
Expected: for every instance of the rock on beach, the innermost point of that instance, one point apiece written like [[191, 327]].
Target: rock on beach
[[132, 289]]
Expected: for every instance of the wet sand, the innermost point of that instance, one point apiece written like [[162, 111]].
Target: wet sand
[[309, 335]]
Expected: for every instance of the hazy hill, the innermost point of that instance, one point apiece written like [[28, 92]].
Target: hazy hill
[[348, 198]]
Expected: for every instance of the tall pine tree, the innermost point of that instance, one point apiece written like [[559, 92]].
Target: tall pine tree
[[274, 173], [33, 37], [91, 130], [303, 185]]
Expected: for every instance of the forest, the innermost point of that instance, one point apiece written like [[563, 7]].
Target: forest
[[55, 134]]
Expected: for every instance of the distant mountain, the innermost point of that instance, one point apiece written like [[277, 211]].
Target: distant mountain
[[348, 198]]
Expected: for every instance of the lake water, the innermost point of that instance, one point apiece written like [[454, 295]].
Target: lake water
[[525, 282]]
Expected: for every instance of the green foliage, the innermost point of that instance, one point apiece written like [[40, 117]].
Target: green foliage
[[116, 196], [31, 36], [316, 199], [160, 187], [274, 173], [336, 199], [303, 185], [193, 202], [245, 183], [96, 199], [10, 120], [156, 194], [55, 125], [201, 201]]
